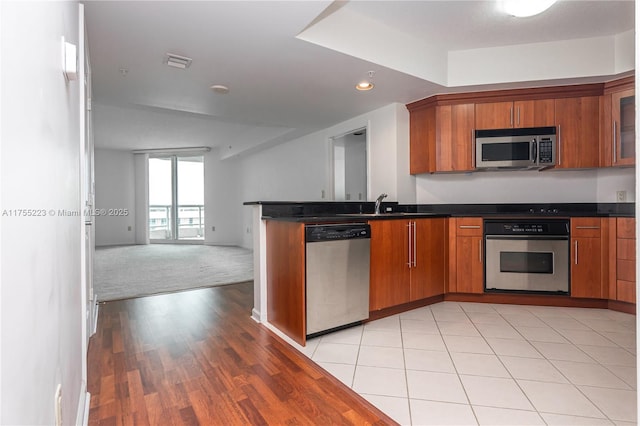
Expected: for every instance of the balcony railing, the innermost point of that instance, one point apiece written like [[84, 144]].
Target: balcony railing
[[190, 222]]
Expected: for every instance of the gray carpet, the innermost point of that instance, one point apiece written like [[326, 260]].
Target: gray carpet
[[124, 272]]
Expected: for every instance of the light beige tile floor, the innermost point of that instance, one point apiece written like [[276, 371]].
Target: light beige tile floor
[[472, 363]]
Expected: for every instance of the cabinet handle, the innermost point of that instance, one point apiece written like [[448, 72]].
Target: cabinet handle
[[511, 116], [480, 250], [615, 142], [409, 245], [518, 119], [587, 227], [575, 243], [469, 226], [415, 246], [473, 149], [559, 148]]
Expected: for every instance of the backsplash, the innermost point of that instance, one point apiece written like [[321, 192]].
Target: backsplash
[[579, 186]]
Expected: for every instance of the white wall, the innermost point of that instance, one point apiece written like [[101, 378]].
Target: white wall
[[41, 303], [222, 202], [355, 166], [120, 183], [580, 186], [299, 170], [115, 189]]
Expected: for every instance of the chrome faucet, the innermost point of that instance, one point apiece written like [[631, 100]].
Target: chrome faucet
[[378, 201]]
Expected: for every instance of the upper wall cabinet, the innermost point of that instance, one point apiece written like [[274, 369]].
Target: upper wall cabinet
[[589, 118], [516, 114], [441, 139], [578, 132], [618, 124]]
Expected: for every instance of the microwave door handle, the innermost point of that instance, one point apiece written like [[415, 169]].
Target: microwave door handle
[[534, 151]]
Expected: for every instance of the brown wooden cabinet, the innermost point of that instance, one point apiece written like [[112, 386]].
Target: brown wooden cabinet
[[441, 126], [516, 114], [428, 271], [466, 257], [622, 283], [441, 139], [389, 272], [587, 255], [286, 278], [618, 124], [578, 132], [407, 261]]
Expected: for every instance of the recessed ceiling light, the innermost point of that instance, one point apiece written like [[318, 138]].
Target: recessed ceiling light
[[525, 8], [219, 88], [364, 85], [177, 61]]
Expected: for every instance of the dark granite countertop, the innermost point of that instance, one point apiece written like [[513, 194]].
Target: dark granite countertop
[[328, 211]]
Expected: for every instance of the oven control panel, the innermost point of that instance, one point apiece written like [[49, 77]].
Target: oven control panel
[[526, 227]]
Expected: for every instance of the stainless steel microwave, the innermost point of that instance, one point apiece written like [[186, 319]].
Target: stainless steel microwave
[[525, 148]]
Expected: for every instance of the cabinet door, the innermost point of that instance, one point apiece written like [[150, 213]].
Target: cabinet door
[[623, 116], [494, 115], [389, 271], [454, 138], [422, 139], [586, 267], [578, 128], [538, 113], [428, 272], [625, 270], [470, 265]]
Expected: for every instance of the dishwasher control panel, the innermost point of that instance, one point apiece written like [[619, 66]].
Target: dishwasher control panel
[[344, 231]]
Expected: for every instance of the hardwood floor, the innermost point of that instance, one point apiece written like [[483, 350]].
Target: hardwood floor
[[196, 357]]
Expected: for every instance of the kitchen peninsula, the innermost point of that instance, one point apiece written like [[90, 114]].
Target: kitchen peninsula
[[454, 237]]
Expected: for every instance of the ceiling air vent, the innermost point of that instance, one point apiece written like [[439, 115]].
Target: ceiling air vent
[[177, 61]]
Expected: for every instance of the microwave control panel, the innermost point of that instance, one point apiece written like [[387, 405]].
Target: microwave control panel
[[546, 151]]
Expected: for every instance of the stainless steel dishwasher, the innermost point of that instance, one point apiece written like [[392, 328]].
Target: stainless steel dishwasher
[[337, 275]]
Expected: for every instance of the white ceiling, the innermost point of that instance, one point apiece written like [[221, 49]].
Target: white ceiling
[[291, 66]]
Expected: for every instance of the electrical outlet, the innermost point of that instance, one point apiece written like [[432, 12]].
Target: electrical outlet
[[621, 196]]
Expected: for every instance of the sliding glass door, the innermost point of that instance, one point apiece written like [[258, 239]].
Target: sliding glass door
[[176, 198]]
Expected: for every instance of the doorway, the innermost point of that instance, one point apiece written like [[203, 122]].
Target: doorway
[[176, 199], [350, 166]]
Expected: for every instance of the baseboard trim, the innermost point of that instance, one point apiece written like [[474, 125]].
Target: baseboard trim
[[393, 310], [526, 299], [626, 307], [84, 402], [255, 315], [94, 320]]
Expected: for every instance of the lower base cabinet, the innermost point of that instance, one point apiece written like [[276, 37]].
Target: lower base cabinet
[[407, 261], [466, 257], [587, 277], [622, 282]]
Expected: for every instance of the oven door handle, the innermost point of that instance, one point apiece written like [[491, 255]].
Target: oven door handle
[[527, 237]]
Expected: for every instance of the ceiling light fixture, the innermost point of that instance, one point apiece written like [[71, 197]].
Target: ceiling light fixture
[[366, 84], [177, 61], [220, 88], [525, 8]]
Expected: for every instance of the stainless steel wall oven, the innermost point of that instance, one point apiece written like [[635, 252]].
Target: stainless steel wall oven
[[527, 255]]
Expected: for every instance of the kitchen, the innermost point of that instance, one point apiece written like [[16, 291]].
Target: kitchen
[[285, 172]]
